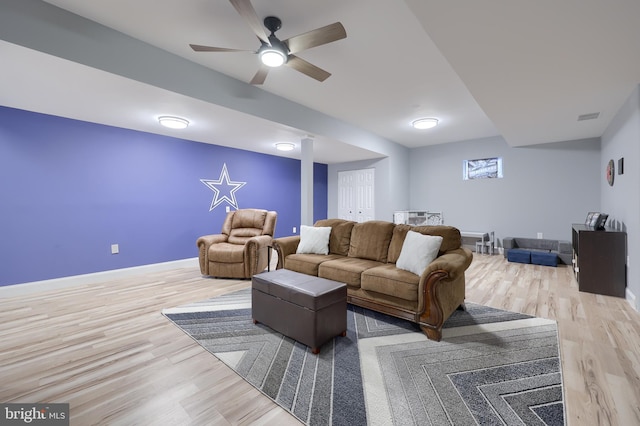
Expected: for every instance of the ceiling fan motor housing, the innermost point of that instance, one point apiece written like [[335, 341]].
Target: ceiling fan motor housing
[[273, 24]]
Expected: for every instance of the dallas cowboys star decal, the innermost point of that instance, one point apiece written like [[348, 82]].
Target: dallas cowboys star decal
[[224, 189]]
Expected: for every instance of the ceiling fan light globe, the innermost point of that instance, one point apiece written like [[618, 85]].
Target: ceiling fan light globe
[[272, 57]]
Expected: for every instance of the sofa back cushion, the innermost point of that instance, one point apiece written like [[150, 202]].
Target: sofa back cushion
[[536, 244], [370, 240], [451, 238], [397, 240], [340, 234]]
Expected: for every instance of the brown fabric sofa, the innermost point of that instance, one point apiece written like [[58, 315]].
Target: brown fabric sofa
[[363, 255], [241, 249]]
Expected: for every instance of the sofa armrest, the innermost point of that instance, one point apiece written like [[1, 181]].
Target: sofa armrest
[[203, 243], [565, 247], [454, 262], [441, 290], [285, 246], [508, 243]]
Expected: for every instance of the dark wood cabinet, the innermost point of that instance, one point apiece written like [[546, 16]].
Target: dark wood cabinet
[[599, 260]]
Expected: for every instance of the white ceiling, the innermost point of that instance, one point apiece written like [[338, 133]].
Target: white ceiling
[[523, 70]]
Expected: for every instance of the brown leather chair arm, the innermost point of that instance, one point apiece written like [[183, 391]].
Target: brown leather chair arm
[[203, 243], [284, 247], [256, 254]]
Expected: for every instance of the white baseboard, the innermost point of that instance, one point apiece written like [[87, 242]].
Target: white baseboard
[[64, 282], [631, 298]]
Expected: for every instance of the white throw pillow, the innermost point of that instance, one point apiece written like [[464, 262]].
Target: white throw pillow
[[314, 239], [418, 251]]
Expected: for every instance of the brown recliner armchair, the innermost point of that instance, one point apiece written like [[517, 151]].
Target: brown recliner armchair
[[241, 249]]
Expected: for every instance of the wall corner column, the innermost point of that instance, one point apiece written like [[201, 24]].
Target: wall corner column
[[306, 182]]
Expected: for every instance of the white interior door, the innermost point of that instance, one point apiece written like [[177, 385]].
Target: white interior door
[[356, 190]]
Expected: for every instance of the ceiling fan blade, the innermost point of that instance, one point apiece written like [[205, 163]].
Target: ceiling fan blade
[[306, 68], [200, 48], [246, 10], [316, 37], [261, 75]]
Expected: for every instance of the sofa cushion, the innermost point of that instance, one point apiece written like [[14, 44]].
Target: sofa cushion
[[370, 240], [418, 251], [307, 263], [340, 234], [519, 255], [397, 239], [346, 270], [451, 238], [535, 243], [314, 239], [389, 280], [544, 258]]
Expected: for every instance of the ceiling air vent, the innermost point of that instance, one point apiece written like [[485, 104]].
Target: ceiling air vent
[[591, 116]]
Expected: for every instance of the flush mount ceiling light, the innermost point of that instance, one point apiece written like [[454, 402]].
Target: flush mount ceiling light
[[173, 122], [285, 146], [424, 123]]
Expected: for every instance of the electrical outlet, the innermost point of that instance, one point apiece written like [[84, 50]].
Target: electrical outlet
[[115, 249], [294, 229], [539, 235]]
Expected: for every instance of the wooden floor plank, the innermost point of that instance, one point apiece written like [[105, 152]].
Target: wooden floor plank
[[106, 349]]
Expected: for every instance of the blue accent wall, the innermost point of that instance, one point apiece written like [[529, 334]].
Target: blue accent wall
[[69, 189]]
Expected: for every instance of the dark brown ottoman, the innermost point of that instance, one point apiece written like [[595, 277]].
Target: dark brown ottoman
[[308, 309]]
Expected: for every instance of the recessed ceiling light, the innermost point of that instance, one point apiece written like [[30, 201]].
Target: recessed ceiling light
[[424, 123], [173, 122], [285, 146]]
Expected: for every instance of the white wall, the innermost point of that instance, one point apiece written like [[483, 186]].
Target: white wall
[[545, 188], [391, 183], [622, 200]]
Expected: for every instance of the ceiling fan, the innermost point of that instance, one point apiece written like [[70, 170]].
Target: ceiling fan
[[274, 52]]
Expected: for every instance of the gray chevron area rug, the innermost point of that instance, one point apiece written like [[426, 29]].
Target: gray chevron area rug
[[492, 367]]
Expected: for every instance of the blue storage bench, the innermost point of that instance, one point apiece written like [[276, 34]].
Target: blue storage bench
[[519, 255], [544, 258]]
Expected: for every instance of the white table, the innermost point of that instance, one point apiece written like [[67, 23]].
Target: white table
[[482, 236]]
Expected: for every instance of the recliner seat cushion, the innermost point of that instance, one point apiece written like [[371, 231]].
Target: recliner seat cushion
[[227, 253]]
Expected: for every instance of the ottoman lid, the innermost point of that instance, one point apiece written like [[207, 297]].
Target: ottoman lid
[[303, 290]]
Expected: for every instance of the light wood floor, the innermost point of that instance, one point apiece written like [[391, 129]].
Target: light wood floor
[[107, 350]]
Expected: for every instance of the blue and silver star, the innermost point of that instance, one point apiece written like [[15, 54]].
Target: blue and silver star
[[224, 189]]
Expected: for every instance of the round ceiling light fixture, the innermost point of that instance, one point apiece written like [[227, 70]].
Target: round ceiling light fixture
[[424, 123], [272, 57], [285, 146], [173, 122]]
